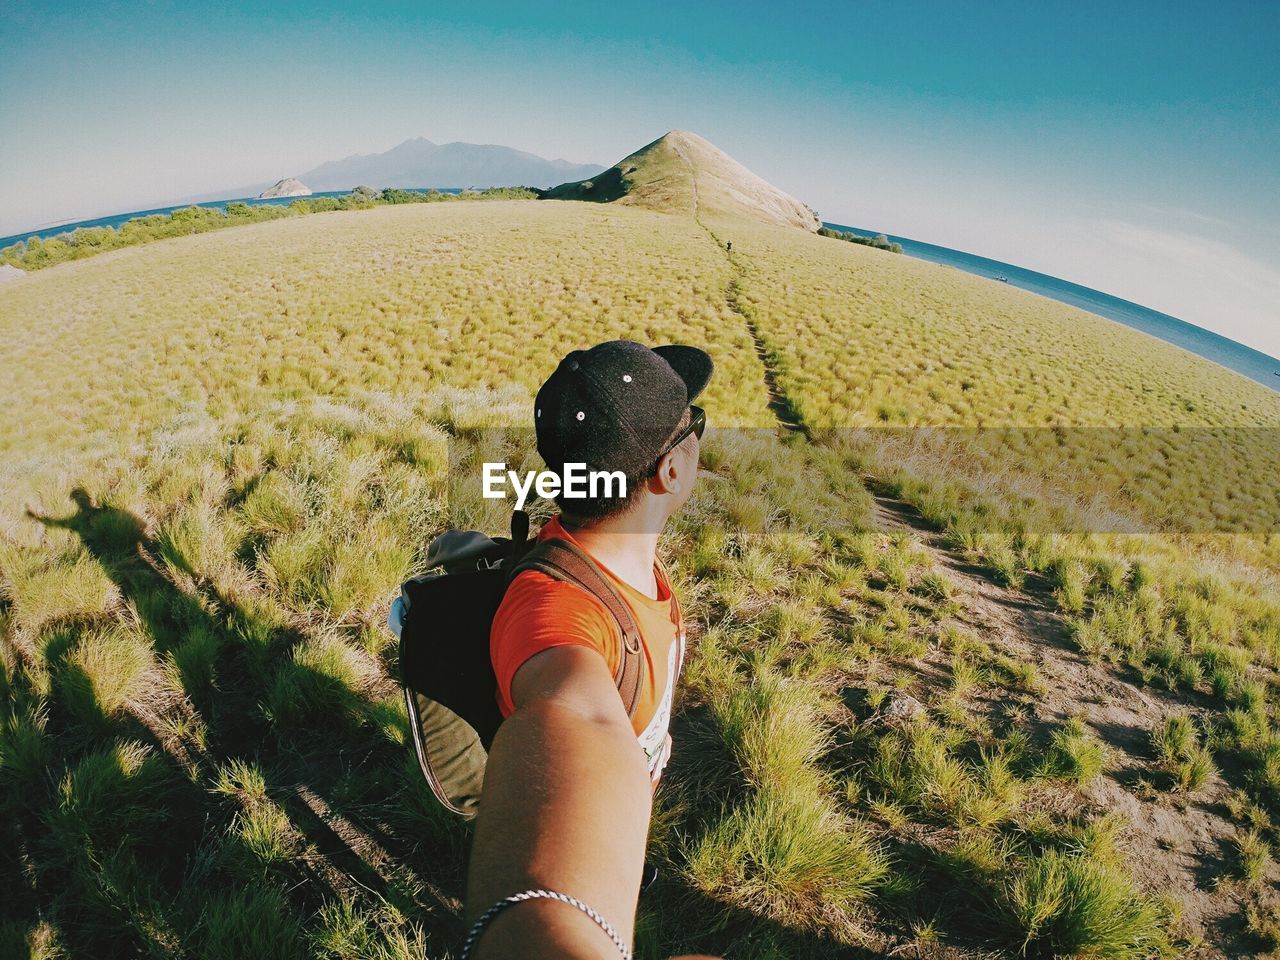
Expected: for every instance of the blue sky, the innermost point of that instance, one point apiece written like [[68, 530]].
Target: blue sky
[[1130, 147]]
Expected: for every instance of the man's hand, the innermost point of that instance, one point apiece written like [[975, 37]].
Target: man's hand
[[565, 807]]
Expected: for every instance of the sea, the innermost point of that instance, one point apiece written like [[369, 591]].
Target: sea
[[1254, 364], [1212, 346]]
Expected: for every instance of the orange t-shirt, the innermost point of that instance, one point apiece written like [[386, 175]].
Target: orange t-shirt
[[539, 612]]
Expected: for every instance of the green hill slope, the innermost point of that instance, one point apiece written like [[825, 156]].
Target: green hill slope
[[915, 710], [682, 172]]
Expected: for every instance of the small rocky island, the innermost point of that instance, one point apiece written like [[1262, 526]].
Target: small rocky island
[[288, 187]]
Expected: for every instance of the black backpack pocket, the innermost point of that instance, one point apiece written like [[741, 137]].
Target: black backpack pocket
[[449, 681]]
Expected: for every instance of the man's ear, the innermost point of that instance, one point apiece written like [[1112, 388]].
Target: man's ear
[[672, 475]]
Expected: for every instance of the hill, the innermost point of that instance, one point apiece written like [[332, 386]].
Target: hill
[[936, 703], [682, 172], [421, 163]]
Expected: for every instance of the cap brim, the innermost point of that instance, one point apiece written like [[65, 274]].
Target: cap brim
[[692, 365]]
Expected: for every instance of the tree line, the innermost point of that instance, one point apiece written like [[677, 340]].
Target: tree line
[[880, 241], [35, 253]]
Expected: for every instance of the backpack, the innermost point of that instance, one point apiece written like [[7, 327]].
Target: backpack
[[443, 618]]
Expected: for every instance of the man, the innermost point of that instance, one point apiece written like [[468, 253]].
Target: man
[[569, 780]]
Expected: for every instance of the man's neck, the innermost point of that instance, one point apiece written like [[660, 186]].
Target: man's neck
[[627, 546]]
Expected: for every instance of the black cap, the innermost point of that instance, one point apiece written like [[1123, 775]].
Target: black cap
[[614, 407]]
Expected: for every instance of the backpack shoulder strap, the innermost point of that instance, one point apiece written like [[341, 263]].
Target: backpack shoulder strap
[[563, 561]]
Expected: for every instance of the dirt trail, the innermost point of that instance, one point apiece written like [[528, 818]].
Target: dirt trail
[[1174, 846], [779, 404], [693, 179]]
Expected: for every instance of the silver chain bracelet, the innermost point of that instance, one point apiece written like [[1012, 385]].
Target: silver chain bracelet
[[487, 917]]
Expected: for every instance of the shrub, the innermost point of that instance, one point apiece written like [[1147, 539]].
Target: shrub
[[1071, 582], [256, 921], [110, 797], [769, 730], [1175, 739], [198, 541], [194, 662], [788, 854], [1063, 905], [1007, 567], [317, 685], [1074, 754], [349, 933], [1264, 923], [1253, 856], [47, 591], [936, 586], [106, 669], [264, 836], [1193, 773], [24, 754], [879, 242]]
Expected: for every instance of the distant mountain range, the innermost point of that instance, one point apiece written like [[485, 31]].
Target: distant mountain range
[[421, 163]]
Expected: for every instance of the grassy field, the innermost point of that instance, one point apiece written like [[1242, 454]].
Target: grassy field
[[919, 715], [185, 335], [39, 253]]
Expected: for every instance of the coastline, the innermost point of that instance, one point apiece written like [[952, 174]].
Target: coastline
[[1235, 356]]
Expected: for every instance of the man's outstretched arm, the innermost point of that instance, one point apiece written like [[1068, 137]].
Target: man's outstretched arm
[[565, 807]]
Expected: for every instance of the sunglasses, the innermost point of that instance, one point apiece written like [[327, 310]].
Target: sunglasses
[[697, 424]]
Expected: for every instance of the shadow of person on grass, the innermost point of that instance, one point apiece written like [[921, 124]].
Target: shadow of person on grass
[[312, 763], [118, 540], [676, 919], [307, 731]]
